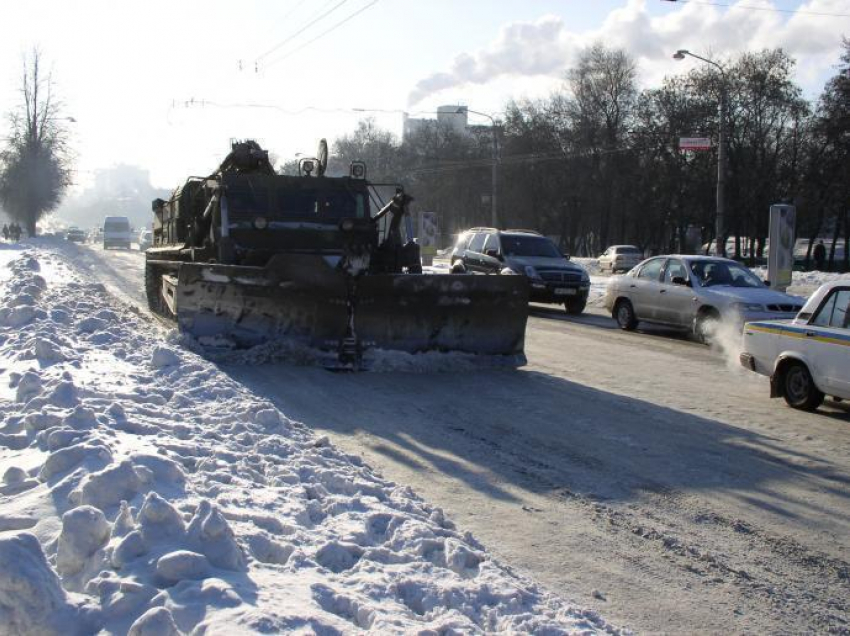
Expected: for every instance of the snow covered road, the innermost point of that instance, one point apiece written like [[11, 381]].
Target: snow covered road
[[145, 492], [641, 474]]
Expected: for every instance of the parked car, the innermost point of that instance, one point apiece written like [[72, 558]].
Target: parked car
[[117, 232], [620, 258], [75, 234], [694, 293], [809, 357], [145, 239], [552, 277]]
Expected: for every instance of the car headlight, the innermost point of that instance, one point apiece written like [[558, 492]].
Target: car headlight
[[531, 272], [744, 307], [260, 223]]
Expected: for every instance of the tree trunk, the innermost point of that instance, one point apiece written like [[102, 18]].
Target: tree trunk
[[835, 234]]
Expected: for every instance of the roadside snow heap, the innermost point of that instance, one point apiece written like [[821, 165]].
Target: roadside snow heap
[[145, 492]]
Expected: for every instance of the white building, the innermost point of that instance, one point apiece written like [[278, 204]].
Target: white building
[[452, 116]]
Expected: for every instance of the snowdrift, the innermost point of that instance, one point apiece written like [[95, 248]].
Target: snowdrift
[[144, 492]]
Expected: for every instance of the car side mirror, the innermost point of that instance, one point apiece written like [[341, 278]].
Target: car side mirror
[[492, 253], [680, 280], [767, 283], [566, 256]]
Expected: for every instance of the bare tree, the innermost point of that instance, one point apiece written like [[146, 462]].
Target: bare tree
[[600, 110], [35, 161]]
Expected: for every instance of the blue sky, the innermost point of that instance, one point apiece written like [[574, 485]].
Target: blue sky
[[126, 70]]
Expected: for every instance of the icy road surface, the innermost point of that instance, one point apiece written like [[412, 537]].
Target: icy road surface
[[145, 492], [641, 474]]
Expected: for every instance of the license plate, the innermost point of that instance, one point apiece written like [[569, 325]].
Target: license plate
[[565, 291]]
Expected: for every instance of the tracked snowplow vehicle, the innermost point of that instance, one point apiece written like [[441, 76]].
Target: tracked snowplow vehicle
[[246, 255]]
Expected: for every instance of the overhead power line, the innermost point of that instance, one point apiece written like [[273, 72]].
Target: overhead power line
[[750, 7], [293, 10], [203, 103], [444, 167], [199, 102], [322, 34], [289, 38]]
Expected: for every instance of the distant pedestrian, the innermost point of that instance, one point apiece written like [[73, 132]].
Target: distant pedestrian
[[5, 232], [16, 231], [819, 255]]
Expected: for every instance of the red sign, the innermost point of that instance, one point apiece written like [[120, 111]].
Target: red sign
[[694, 143]]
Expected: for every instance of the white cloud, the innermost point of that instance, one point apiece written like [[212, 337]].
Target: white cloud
[[547, 47]]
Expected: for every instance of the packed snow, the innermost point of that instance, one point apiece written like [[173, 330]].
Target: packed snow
[[145, 492]]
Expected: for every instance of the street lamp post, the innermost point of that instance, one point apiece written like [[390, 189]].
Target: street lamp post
[[494, 217], [719, 220]]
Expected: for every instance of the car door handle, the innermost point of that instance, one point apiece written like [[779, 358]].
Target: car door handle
[[662, 291], [633, 286], [810, 334]]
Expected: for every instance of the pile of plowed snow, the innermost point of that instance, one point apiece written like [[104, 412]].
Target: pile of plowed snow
[[143, 491]]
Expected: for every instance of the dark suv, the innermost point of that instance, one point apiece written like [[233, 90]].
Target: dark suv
[[552, 277]]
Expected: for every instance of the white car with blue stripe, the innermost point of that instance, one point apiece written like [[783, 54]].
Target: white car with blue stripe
[[807, 358]]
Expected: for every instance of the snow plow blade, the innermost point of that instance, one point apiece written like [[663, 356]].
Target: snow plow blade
[[306, 299]]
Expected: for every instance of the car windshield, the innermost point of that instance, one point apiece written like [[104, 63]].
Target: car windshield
[[628, 250], [722, 273], [529, 246], [116, 226]]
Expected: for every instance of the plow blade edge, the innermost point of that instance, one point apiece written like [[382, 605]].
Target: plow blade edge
[[305, 299]]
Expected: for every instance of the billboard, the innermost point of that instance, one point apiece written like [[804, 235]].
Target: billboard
[[694, 143], [780, 260]]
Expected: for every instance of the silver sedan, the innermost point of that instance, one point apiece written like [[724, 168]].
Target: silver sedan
[[694, 293]]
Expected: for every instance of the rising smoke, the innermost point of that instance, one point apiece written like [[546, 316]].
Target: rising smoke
[[547, 47]]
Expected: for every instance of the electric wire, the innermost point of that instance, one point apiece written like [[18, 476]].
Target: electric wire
[[711, 3], [321, 35], [203, 103], [434, 169], [446, 167], [291, 37]]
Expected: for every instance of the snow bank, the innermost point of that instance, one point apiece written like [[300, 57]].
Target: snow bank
[[810, 281], [144, 492], [590, 264], [805, 283]]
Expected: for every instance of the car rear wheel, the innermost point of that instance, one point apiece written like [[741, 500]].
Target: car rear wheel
[[799, 388], [624, 314]]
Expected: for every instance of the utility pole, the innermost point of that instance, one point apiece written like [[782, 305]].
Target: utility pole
[[719, 219], [494, 177]]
